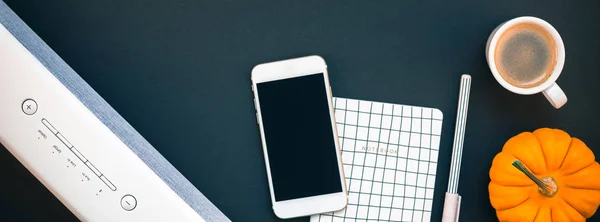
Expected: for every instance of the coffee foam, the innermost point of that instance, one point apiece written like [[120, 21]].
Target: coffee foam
[[525, 55]]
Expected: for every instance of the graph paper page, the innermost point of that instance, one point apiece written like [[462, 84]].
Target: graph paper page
[[390, 154]]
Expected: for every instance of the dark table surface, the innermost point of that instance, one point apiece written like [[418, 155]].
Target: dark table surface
[[179, 71]]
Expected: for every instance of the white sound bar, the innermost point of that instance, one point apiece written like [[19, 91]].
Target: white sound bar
[[80, 149]]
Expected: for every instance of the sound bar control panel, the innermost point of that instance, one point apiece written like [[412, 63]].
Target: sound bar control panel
[[71, 152], [79, 155]]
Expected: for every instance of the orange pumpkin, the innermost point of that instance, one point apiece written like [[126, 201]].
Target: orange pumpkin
[[545, 176]]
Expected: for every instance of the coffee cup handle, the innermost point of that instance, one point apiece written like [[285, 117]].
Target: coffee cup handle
[[555, 95]]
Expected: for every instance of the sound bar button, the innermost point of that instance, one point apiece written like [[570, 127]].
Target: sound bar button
[[93, 168], [128, 202], [49, 126], [29, 107], [64, 140], [108, 183], [78, 154]]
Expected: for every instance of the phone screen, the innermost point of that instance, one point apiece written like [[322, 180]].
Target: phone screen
[[299, 137]]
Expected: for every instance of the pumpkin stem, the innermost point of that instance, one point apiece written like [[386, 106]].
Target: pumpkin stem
[[547, 186]]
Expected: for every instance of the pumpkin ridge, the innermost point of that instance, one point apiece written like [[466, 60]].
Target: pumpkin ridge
[[520, 186], [586, 166], [567, 202], [519, 204], [580, 188], [542, 150], [568, 150], [537, 213]]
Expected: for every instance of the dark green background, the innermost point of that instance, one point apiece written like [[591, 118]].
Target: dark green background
[[179, 72]]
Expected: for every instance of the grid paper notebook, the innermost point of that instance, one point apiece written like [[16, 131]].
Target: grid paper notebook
[[390, 154]]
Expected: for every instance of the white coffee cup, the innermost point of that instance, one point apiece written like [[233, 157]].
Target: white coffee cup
[[549, 88]]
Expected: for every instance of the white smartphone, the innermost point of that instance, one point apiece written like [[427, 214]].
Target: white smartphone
[[296, 119]]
